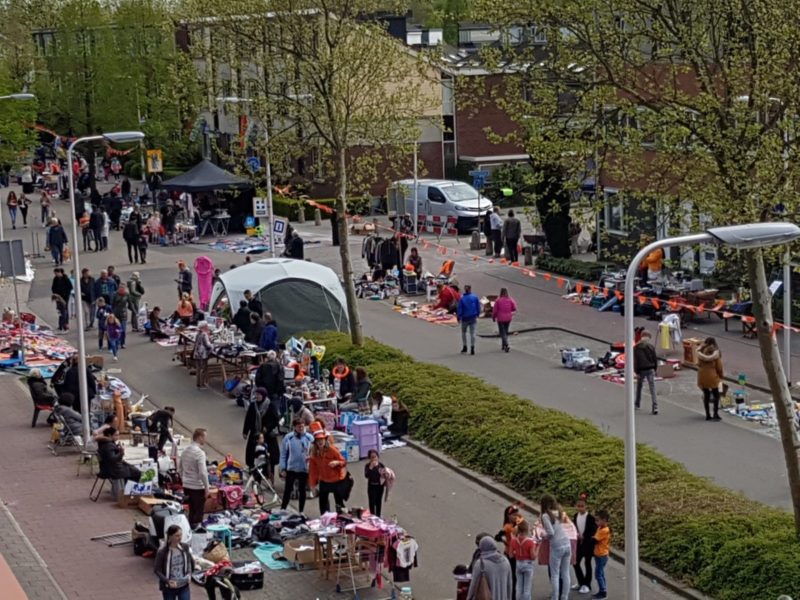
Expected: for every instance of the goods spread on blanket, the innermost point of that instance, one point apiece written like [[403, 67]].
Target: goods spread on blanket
[[43, 349], [424, 312]]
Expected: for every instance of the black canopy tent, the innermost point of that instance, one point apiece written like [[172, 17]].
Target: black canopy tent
[[206, 177]]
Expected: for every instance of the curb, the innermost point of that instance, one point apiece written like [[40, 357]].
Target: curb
[[653, 573]]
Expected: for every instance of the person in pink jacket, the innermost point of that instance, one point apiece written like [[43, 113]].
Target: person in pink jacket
[[502, 313]]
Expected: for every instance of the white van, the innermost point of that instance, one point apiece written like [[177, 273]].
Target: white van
[[439, 198]]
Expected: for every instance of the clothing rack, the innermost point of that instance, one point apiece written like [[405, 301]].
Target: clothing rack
[[355, 571]]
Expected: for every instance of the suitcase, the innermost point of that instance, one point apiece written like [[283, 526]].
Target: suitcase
[[247, 575]]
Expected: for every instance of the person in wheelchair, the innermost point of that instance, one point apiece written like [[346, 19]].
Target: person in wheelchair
[[110, 456]]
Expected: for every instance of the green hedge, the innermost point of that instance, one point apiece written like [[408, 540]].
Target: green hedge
[[716, 540], [586, 271]]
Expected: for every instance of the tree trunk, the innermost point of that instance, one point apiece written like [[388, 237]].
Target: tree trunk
[[344, 250], [771, 358]]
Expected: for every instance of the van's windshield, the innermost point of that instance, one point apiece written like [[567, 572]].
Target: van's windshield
[[460, 192]]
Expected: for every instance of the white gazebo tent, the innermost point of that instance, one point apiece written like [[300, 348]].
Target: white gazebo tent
[[300, 295]]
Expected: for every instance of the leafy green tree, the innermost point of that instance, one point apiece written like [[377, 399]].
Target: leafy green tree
[[691, 106], [351, 89]]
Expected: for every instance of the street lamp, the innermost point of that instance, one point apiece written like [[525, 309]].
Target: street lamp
[[753, 235], [116, 137], [19, 96]]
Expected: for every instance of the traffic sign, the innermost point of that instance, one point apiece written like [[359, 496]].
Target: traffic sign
[[260, 207], [254, 163], [279, 226], [479, 178]]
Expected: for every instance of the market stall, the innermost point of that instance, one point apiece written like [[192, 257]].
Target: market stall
[[300, 295]]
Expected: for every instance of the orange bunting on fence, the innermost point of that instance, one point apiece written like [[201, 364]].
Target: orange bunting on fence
[[605, 292], [532, 274], [560, 282], [656, 303], [673, 304], [727, 315], [515, 263], [718, 306], [642, 300], [594, 290], [547, 276], [776, 327], [748, 319], [579, 287], [619, 295]]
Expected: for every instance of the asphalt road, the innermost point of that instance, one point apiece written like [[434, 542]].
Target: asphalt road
[[441, 508]]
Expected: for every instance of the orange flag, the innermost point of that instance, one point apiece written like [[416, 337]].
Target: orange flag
[[515, 263], [532, 274], [642, 300], [560, 282], [605, 292], [656, 303], [594, 290], [718, 306], [579, 287], [547, 276], [673, 304], [619, 295], [503, 261]]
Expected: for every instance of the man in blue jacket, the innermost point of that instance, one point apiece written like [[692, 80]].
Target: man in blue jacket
[[269, 335], [468, 311], [293, 465]]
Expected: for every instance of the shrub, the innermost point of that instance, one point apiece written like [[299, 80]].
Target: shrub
[[289, 208], [586, 271], [716, 540]]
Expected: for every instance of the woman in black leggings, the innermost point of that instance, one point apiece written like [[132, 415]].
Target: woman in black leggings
[[373, 471], [709, 376]]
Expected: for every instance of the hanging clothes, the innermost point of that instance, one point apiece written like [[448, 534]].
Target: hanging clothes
[[671, 323]]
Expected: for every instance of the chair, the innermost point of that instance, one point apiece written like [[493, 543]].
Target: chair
[[87, 457], [37, 408], [116, 487]]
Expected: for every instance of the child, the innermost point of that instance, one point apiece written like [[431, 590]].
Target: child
[[602, 540], [375, 487], [102, 315], [63, 312], [524, 549], [114, 332]]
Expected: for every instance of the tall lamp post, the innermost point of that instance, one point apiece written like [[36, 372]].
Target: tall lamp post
[[753, 235], [117, 137], [20, 96]]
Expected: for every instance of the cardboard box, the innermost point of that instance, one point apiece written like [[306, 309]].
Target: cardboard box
[[148, 503], [690, 347], [125, 501], [299, 551], [665, 371]]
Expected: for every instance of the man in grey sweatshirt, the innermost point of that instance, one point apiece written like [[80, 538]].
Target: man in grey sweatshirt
[[194, 474]]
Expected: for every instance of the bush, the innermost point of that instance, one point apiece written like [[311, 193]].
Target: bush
[[713, 539], [579, 269]]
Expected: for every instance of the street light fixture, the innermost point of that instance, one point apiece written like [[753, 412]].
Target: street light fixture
[[749, 236], [20, 96], [116, 137]]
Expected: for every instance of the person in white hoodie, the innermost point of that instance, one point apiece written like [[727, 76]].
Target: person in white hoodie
[[381, 408], [194, 474]]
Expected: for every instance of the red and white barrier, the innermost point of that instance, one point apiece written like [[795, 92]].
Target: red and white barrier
[[438, 225]]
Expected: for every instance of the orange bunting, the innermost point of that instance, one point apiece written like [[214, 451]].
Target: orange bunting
[[776, 327], [748, 319], [579, 287], [619, 295], [515, 263], [656, 303], [605, 292], [503, 261], [532, 274], [718, 306], [673, 304], [547, 276], [560, 282], [727, 315], [642, 300], [594, 290]]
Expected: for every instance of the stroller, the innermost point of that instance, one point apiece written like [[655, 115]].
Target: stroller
[[258, 490], [67, 429]]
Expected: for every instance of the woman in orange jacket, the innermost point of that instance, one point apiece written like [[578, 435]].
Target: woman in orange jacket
[[328, 468]]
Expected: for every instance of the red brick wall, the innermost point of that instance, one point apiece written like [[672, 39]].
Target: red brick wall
[[472, 119]]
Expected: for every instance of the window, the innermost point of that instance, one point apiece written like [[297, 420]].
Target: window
[[614, 213], [435, 195], [449, 133]]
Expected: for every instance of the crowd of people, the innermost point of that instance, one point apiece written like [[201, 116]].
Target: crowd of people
[[556, 540]]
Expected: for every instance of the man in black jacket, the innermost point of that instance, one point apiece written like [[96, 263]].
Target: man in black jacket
[[295, 247], [242, 318], [72, 386], [644, 365], [253, 303], [160, 422], [256, 327], [87, 297], [586, 526], [270, 377]]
